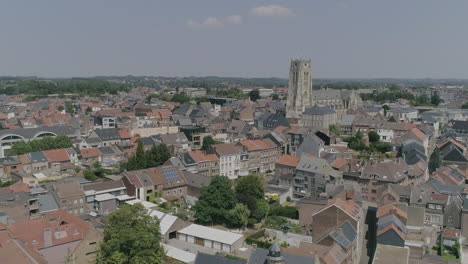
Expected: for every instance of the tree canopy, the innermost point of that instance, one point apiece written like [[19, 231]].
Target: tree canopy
[[208, 141], [373, 136], [254, 95], [45, 143], [250, 190], [215, 201], [154, 157], [131, 236]]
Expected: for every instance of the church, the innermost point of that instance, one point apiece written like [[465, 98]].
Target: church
[[303, 102]]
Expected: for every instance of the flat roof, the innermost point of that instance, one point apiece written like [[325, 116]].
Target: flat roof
[[179, 254], [385, 254], [209, 233], [124, 197], [104, 197], [145, 204]]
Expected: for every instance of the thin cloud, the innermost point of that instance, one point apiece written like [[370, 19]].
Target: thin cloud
[[209, 22], [234, 19], [271, 10]]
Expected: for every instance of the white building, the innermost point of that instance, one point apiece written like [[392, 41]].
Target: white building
[[229, 160], [211, 238]]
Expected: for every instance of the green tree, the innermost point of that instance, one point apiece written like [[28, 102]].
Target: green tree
[[180, 98], [254, 95], [335, 130], [215, 201], [373, 136], [88, 110], [140, 156], [274, 97], [465, 105], [238, 216], [250, 191], [90, 175], [208, 141], [45, 143], [385, 108], [252, 185], [435, 99], [131, 236], [262, 210], [60, 108]]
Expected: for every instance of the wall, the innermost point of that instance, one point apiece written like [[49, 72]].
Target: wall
[[152, 131]]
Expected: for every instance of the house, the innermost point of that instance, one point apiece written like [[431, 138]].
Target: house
[[198, 162], [111, 155], [229, 159], [338, 224], [70, 197], [222, 241], [177, 142], [168, 181], [261, 155], [108, 136], [285, 167], [10, 165], [310, 144], [449, 175], [403, 114], [391, 231], [138, 184], [312, 175], [56, 158], [171, 180], [55, 236], [113, 188], [38, 161], [89, 156]]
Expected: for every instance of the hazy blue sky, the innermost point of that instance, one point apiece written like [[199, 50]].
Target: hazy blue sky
[[349, 38]]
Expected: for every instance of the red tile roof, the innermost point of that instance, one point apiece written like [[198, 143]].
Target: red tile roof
[[19, 187], [418, 133], [258, 144], [56, 155], [90, 153], [339, 163], [64, 228], [288, 160], [124, 134]]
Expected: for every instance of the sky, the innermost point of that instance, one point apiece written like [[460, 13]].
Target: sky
[[235, 38]]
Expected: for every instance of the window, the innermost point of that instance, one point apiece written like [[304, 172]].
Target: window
[[75, 202], [81, 201], [450, 219]]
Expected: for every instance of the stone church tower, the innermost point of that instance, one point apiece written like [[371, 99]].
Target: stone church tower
[[300, 88]]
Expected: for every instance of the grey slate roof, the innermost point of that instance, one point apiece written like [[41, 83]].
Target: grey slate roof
[[35, 157], [29, 133], [171, 139], [47, 203], [106, 150], [319, 110], [388, 220], [108, 133]]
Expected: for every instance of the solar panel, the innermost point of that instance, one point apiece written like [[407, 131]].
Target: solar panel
[[171, 176]]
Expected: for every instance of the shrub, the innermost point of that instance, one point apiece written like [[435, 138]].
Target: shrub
[[286, 211]]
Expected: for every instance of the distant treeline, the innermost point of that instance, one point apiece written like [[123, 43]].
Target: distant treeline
[[46, 87]]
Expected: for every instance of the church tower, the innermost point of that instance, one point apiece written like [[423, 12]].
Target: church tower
[[300, 88]]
